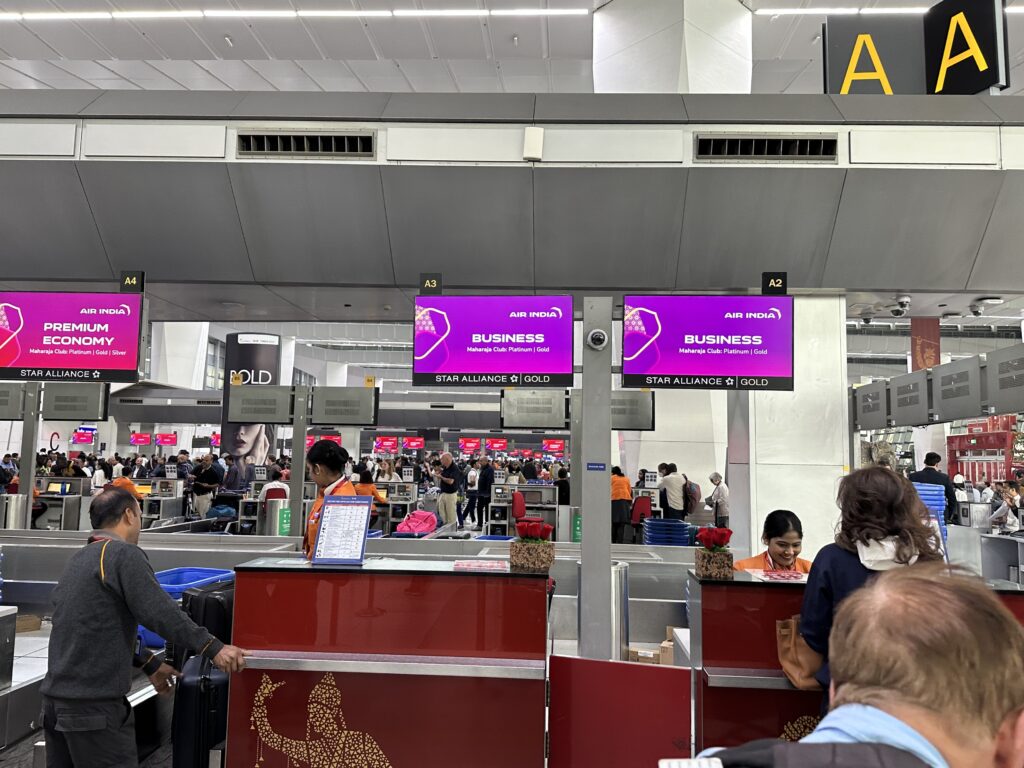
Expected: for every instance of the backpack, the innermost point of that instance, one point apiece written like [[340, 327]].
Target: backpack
[[418, 522], [5, 476], [693, 491]]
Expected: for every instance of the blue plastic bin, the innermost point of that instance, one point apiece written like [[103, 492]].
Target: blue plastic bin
[[150, 639], [176, 580], [494, 538]]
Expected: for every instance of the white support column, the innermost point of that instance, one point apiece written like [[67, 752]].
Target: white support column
[[673, 46], [788, 450]]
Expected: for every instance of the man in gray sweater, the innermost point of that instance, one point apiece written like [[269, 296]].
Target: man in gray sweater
[[108, 589]]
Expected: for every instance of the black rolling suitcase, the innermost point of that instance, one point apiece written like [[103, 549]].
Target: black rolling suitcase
[[212, 607], [200, 713]]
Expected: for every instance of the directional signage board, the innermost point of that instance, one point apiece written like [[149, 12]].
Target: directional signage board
[[260, 405], [345, 406], [908, 399], [75, 402], [533, 408], [1005, 378], [956, 390], [82, 337], [12, 402], [872, 405]]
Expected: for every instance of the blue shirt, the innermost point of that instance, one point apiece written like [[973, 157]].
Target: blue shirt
[[860, 724]]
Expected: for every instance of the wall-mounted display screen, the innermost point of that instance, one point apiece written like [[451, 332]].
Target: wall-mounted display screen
[[166, 438], [413, 443], [527, 453], [310, 439], [493, 340], [70, 336], [469, 444], [497, 444], [83, 438], [385, 444], [141, 438], [215, 440], [551, 446], [708, 342]]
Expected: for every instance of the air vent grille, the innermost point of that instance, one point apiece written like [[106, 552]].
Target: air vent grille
[[341, 146], [208, 402], [765, 148], [129, 400]]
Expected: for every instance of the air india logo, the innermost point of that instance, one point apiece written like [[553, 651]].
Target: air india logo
[[328, 743]]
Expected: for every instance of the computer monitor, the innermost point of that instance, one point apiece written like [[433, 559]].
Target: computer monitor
[[145, 490], [55, 488], [383, 493]]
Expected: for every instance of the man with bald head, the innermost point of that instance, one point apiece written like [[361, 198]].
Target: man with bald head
[[447, 477]]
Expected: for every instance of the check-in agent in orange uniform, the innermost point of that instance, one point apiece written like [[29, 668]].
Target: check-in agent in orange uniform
[[326, 462]]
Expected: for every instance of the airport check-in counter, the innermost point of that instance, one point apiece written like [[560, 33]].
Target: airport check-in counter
[[63, 505], [401, 500], [653, 495]]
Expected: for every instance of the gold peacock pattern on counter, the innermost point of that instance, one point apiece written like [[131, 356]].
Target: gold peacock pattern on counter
[[328, 743]]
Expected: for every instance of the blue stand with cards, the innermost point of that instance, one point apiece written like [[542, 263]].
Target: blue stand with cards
[[341, 539]]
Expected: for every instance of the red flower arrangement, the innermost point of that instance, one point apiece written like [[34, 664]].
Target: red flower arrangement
[[534, 531], [714, 539]]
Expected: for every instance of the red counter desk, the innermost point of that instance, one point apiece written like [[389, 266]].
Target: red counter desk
[[739, 691], [397, 662]]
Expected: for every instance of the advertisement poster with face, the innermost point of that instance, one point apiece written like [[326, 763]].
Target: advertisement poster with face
[[250, 358]]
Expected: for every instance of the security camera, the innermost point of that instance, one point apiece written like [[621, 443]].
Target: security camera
[[597, 339], [903, 301], [897, 310], [867, 319], [977, 310]]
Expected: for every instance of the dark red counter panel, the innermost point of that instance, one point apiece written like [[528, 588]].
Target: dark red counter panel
[[1015, 602], [739, 622], [729, 717], [374, 721], [382, 613]]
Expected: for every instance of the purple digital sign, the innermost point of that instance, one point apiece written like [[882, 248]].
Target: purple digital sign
[[70, 336], [493, 340], [708, 342]]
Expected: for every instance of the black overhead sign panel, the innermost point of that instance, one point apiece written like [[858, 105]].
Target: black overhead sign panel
[[957, 47]]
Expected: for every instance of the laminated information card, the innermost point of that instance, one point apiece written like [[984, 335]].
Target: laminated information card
[[343, 525]]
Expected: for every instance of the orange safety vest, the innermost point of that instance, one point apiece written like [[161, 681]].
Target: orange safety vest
[[341, 488]]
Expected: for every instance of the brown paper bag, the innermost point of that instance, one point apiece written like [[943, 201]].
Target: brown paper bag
[[798, 660]]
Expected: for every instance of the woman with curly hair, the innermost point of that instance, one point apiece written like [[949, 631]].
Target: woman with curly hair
[[882, 526]]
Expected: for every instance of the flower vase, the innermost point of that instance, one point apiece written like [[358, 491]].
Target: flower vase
[[531, 556], [714, 565]]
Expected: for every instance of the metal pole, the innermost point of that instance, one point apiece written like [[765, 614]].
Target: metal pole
[[300, 422], [29, 435], [594, 452]]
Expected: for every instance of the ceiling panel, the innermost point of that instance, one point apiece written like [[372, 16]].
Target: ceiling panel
[[338, 106], [236, 74], [284, 38], [475, 225], [314, 223], [342, 38], [516, 37], [217, 300], [572, 76], [999, 259], [243, 44], [477, 76], [121, 40], [163, 104], [741, 221], [380, 76], [177, 41], [284, 75], [570, 37], [189, 74], [18, 43], [143, 75], [761, 108], [331, 75], [483, 107], [161, 310], [46, 223], [45, 72], [961, 110], [525, 75], [43, 103], [428, 76], [179, 219], [610, 108], [69, 39], [910, 228], [92, 72], [457, 38], [595, 225], [367, 304], [12, 78], [399, 38]]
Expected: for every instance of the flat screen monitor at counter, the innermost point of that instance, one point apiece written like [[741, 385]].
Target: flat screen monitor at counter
[[708, 342], [493, 341], [87, 337], [58, 488]]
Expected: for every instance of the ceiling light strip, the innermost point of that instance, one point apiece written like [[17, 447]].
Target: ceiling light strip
[[341, 14]]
